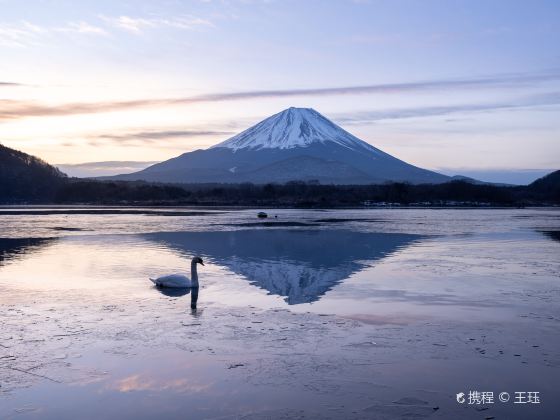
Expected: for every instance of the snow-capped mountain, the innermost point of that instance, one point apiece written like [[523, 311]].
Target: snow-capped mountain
[[297, 144], [294, 127]]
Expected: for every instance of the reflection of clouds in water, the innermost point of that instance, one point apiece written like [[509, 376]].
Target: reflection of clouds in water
[[120, 262], [392, 319], [419, 298], [146, 382], [301, 265]]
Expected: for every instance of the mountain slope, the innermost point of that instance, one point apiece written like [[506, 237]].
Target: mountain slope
[[548, 185], [295, 144], [294, 127], [26, 178]]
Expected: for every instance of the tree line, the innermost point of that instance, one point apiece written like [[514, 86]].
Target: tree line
[[306, 194]]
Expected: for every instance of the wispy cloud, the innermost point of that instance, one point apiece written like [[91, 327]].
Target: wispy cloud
[[10, 84], [15, 109], [138, 24], [155, 135], [111, 164], [20, 34], [82, 27], [129, 23], [23, 33], [94, 169], [368, 117]]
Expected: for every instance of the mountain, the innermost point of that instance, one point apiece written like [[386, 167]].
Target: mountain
[[470, 180], [26, 178], [297, 144]]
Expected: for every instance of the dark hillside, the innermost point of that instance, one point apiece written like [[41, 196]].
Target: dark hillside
[[26, 178], [547, 186]]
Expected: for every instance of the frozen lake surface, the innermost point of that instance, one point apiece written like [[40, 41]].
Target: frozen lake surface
[[335, 314]]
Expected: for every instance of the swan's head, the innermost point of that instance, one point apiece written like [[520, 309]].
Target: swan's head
[[197, 260]]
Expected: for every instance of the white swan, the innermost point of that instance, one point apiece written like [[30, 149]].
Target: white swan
[[179, 280]]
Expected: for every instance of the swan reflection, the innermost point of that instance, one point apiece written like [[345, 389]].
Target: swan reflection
[[178, 292], [194, 299], [173, 292]]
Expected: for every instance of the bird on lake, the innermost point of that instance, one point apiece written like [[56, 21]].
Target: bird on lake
[[180, 280]]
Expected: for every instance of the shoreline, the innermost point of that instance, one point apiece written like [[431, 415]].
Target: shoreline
[[45, 209]]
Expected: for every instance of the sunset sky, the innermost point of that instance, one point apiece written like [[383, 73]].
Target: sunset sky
[[467, 87]]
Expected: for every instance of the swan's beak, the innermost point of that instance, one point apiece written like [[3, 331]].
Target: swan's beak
[[201, 262]]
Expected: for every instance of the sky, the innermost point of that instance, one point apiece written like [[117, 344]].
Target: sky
[[100, 87]]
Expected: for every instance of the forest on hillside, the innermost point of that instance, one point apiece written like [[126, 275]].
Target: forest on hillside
[[26, 178]]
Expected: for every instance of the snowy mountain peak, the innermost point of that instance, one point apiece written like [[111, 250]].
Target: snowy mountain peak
[[297, 144], [293, 127]]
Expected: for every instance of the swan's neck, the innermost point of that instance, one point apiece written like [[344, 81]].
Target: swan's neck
[[194, 275]]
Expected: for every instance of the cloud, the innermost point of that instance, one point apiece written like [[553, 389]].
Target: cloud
[[110, 164], [136, 138], [20, 34], [138, 24], [93, 169], [10, 84], [368, 117], [15, 109], [152, 136], [130, 24], [82, 27], [23, 33]]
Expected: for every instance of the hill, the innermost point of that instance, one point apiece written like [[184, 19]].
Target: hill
[[547, 187], [26, 178]]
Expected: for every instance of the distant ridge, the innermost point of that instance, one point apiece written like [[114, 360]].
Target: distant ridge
[[297, 144]]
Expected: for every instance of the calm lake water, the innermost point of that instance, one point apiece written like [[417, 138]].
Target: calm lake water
[[309, 314]]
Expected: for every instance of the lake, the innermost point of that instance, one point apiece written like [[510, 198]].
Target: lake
[[342, 314]]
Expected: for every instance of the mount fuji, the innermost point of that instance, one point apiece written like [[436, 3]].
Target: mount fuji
[[297, 144]]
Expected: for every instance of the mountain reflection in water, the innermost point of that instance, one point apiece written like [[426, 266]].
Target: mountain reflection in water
[[11, 248], [553, 235], [301, 265]]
